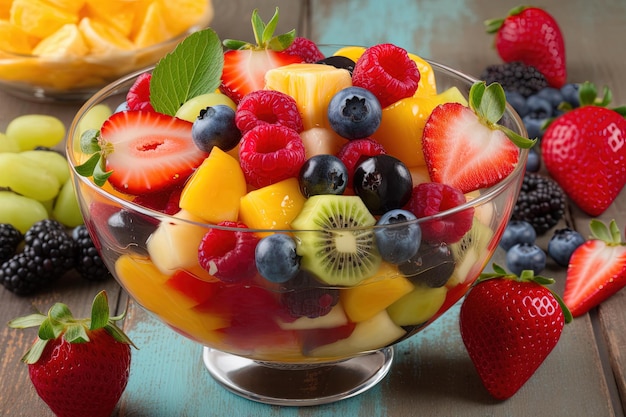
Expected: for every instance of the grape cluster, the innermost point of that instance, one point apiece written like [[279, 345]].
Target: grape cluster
[[34, 178]]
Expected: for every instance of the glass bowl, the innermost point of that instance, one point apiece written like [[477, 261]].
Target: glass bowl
[[74, 73], [258, 340]]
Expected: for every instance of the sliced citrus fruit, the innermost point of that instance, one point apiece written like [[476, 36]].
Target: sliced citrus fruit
[[153, 29], [124, 16], [38, 18], [182, 14], [102, 38], [67, 41], [72, 6], [15, 40]]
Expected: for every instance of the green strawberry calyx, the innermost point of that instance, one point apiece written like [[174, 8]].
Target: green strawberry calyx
[[610, 234], [493, 25], [59, 322], [526, 276], [264, 35], [489, 104], [588, 96], [92, 144]]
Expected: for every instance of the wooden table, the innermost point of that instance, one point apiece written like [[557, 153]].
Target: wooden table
[[432, 374]]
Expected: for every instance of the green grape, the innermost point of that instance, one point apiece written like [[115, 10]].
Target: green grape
[[32, 130], [51, 161], [22, 212], [191, 109], [92, 119], [66, 208], [27, 177], [7, 144]]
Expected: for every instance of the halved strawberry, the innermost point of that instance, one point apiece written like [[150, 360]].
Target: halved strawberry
[[597, 269], [465, 148], [245, 64], [148, 151]]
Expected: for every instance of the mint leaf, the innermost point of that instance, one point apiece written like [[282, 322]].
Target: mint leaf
[[193, 68]]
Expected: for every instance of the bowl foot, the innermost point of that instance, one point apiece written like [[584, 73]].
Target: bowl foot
[[297, 384]]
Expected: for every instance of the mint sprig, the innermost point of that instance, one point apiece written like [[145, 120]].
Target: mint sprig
[[193, 68]]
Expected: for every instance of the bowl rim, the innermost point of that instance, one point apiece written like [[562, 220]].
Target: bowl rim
[[118, 86]]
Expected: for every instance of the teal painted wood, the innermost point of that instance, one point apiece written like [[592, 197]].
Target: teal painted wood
[[169, 379]]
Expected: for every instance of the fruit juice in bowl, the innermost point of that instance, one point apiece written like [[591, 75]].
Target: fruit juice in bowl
[[68, 50], [294, 247]]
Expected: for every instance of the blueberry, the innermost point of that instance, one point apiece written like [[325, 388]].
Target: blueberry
[[525, 256], [398, 237], [131, 230], [432, 265], [533, 163], [539, 107], [518, 102], [383, 182], [338, 61], [563, 243], [517, 231], [533, 126], [215, 126], [553, 95], [276, 258], [323, 174], [570, 94], [354, 113]]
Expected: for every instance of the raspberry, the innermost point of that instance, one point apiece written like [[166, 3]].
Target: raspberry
[[138, 96], [268, 107], [388, 72], [356, 150], [229, 254], [305, 49], [431, 198], [270, 153]]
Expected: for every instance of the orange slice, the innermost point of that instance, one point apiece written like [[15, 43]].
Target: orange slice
[[182, 14], [67, 41], [72, 6], [102, 38], [153, 29], [123, 15], [15, 40], [38, 18]]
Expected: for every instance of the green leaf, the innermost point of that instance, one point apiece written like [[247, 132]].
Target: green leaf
[[87, 168], [282, 42], [32, 320], [119, 335], [616, 235], [193, 68], [89, 141], [587, 93], [60, 312], [493, 25], [47, 330], [519, 140], [235, 44], [476, 95], [600, 231], [269, 29], [33, 354], [99, 175], [99, 311], [492, 103], [258, 27], [76, 333]]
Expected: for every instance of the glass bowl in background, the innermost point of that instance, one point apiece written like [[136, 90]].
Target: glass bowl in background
[[253, 344], [94, 46]]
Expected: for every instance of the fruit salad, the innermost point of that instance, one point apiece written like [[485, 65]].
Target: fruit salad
[[291, 205], [72, 45]]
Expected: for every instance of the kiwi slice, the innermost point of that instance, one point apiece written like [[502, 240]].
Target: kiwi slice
[[471, 250], [335, 239]]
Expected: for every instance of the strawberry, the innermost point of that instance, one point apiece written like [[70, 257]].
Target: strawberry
[[79, 367], [245, 64], [596, 270], [531, 35], [465, 148], [142, 152], [509, 326], [584, 150]]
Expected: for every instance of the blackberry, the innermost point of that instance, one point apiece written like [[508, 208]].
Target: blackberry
[[515, 76], [88, 262], [541, 202], [47, 240], [24, 275], [305, 298], [10, 238]]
